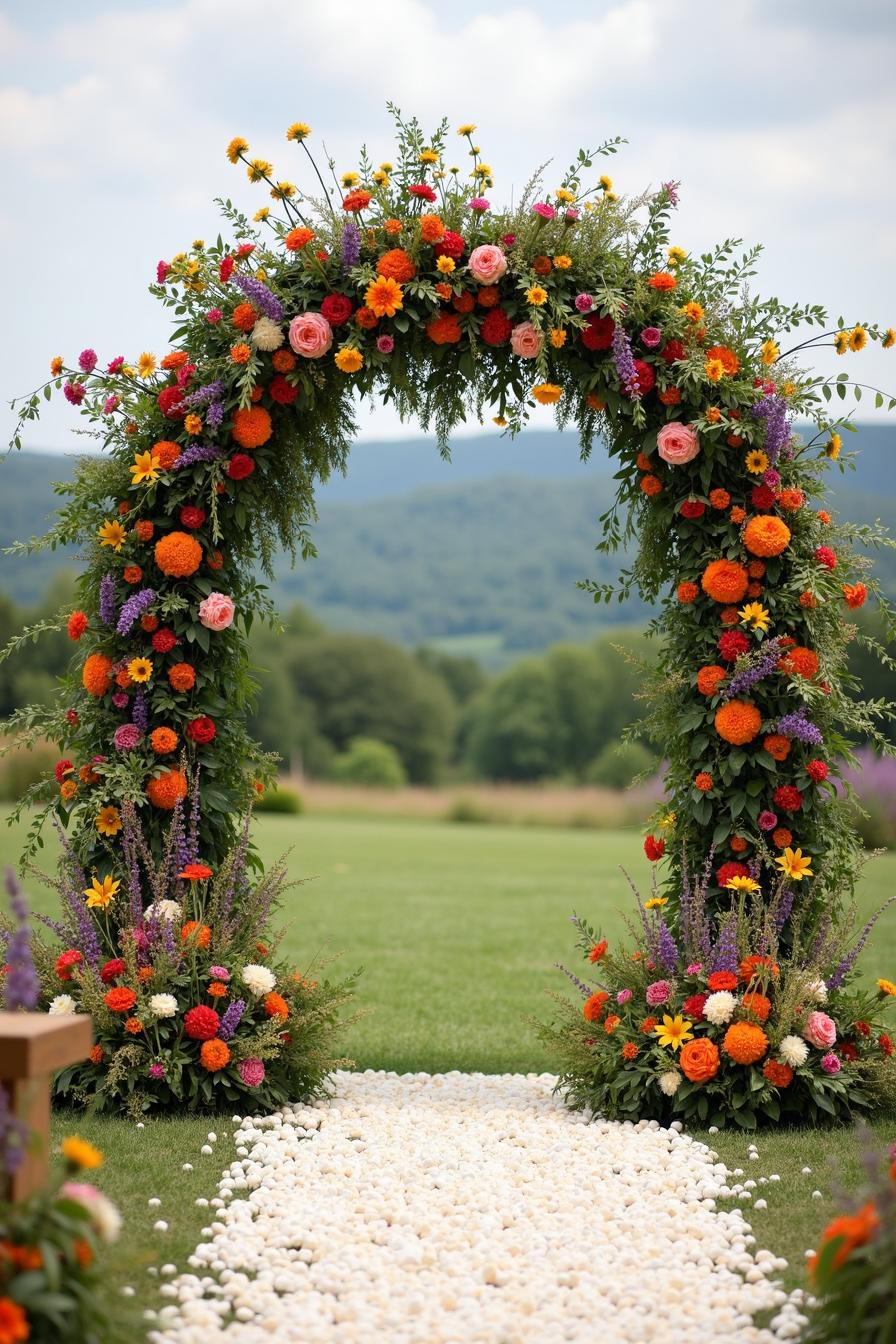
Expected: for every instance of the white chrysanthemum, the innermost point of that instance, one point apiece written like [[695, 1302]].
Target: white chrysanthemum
[[719, 1007], [163, 1005], [167, 910], [62, 1006], [266, 335], [257, 979], [794, 1051], [102, 1213], [670, 1082], [819, 991]]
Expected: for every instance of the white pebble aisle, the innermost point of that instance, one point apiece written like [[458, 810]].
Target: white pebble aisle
[[462, 1207]]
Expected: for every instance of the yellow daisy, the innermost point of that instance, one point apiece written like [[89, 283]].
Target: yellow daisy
[[140, 669], [563, 262], [769, 351], [888, 339], [841, 342], [386, 167], [467, 129], [536, 296], [547, 394], [427, 156], [833, 446], [261, 215], [605, 183], [610, 196], [350, 179], [146, 364], [795, 864], [198, 244], [381, 178], [887, 987], [100, 894], [81, 1153], [858, 338], [112, 534], [299, 130], [563, 195], [283, 191], [108, 820], [236, 148], [756, 462], [756, 615], [145, 468], [193, 423], [675, 256], [693, 311], [741, 884], [483, 170], [674, 1031], [656, 902], [258, 169]]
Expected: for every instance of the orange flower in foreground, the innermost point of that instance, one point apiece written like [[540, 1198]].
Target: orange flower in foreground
[[366, 318], [643, 462], [687, 593], [738, 722], [852, 1230], [431, 228], [241, 353], [766, 535], [133, 573], [215, 1055], [244, 317], [396, 265], [182, 677], [800, 661], [276, 1006], [96, 1054], [728, 359], [745, 1043], [164, 791], [119, 1000], [178, 555], [855, 594], [650, 485], [758, 1005], [144, 530], [779, 1075], [163, 740], [166, 453], [14, 1325], [738, 844], [724, 581], [629, 1050], [662, 280], [737, 514], [778, 747], [703, 782], [175, 360], [67, 790], [719, 499], [392, 226], [709, 678], [384, 296], [593, 1007], [699, 1060], [251, 426], [217, 989], [444, 329], [96, 674], [296, 239], [133, 1026], [729, 616]]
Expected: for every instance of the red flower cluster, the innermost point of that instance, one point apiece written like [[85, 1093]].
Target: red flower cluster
[[201, 730], [654, 849], [201, 1023]]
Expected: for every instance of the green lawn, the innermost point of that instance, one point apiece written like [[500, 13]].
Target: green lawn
[[457, 928]]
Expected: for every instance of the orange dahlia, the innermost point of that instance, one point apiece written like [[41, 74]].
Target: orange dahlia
[[710, 678], [182, 677], [178, 555], [200, 933], [852, 1230], [719, 499], [687, 593], [779, 1075], [397, 265], [251, 426], [766, 535], [96, 675], [215, 1055], [166, 453], [431, 228], [855, 594], [745, 1043], [163, 740], [782, 837], [738, 722], [699, 1060], [650, 484], [244, 317], [276, 1006], [778, 747], [444, 329], [165, 791], [801, 661], [724, 581], [757, 1005], [703, 782], [729, 360]]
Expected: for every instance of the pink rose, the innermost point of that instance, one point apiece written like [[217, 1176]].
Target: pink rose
[[216, 611], [821, 1031], [487, 264], [525, 341], [677, 443], [311, 335]]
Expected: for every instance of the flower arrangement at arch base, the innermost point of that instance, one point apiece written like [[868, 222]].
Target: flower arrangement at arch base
[[193, 1006], [720, 1023]]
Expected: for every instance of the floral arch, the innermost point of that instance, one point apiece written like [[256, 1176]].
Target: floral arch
[[402, 281]]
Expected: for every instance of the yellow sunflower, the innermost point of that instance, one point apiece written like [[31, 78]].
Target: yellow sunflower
[[349, 179], [674, 1031], [140, 669], [888, 339], [536, 296], [427, 156], [756, 615], [283, 191], [108, 820], [756, 462], [675, 256], [605, 183], [258, 169], [841, 342], [748, 884], [858, 338], [833, 446], [112, 534], [656, 902]]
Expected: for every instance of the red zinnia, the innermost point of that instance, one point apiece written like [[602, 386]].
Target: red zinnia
[[787, 798], [729, 870], [337, 308], [120, 1000], [732, 644], [112, 970], [496, 327], [240, 466], [449, 245], [201, 1023], [646, 376], [65, 963], [225, 270], [693, 1007], [422, 192], [77, 624], [201, 730], [671, 351], [825, 556], [762, 497], [61, 769], [192, 517], [817, 771], [281, 391], [171, 403], [196, 872], [692, 508], [163, 641], [598, 335], [654, 849]]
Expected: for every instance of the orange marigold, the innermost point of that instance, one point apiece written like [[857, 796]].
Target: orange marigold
[[745, 1042], [738, 722], [593, 1007], [397, 265], [757, 1005], [629, 1050], [164, 791], [178, 555], [855, 594], [200, 933], [739, 844], [709, 678], [276, 1006], [123, 678], [241, 353], [823, 516], [737, 514], [596, 403], [643, 462], [703, 782], [647, 1025], [144, 530], [650, 484], [284, 361], [687, 593], [808, 600], [96, 1054], [251, 426], [296, 239], [724, 581], [779, 1075], [729, 616], [791, 500], [782, 837], [132, 573], [244, 317], [757, 965], [719, 499], [96, 674], [852, 1229], [366, 318], [487, 296], [699, 1060], [662, 280], [778, 747], [431, 228], [149, 624], [163, 740], [144, 973], [756, 569], [133, 1026], [444, 290], [175, 360], [218, 990], [766, 535], [182, 677], [166, 453], [463, 303], [215, 1055], [67, 790], [444, 329], [800, 661]]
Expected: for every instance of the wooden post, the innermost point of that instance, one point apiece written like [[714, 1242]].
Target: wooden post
[[32, 1047]]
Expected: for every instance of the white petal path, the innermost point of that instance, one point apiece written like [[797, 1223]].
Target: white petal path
[[447, 1209]]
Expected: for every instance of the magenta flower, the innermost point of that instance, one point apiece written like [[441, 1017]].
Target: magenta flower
[[772, 478], [162, 271], [87, 360], [480, 205], [572, 215], [830, 1062], [251, 1071], [651, 337], [546, 211], [116, 364], [214, 315], [218, 973], [623, 996], [767, 821], [658, 992], [508, 239], [694, 969], [584, 303], [385, 345], [127, 737], [156, 1071], [109, 405], [120, 700], [74, 392]]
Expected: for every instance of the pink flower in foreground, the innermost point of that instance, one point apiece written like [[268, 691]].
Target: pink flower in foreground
[[120, 700], [385, 345], [584, 303], [87, 360], [677, 443], [216, 611], [830, 1063], [658, 992], [767, 820], [127, 737], [546, 211], [694, 969], [115, 365], [820, 1031], [623, 996], [525, 341], [251, 1071], [480, 205], [162, 271], [572, 215], [651, 337], [487, 264], [214, 315], [109, 405], [310, 335], [74, 393]]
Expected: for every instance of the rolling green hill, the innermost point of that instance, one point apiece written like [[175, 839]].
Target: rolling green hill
[[480, 556]]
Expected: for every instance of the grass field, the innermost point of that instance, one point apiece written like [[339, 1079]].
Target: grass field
[[457, 928]]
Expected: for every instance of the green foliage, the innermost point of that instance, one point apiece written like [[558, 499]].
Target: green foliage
[[616, 766], [373, 764], [281, 800]]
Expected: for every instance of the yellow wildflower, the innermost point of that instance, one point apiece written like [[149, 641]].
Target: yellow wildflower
[[145, 468], [499, 420], [693, 311], [112, 534], [714, 370], [384, 297], [563, 195], [108, 820], [756, 615], [675, 256], [100, 894], [140, 669], [547, 394], [769, 351], [841, 342], [795, 864], [887, 987], [834, 444], [258, 169], [261, 215], [668, 820], [81, 1153], [858, 338], [236, 148], [146, 364], [656, 902], [386, 167], [756, 462], [198, 244], [445, 265], [563, 262], [193, 423], [427, 156], [299, 130], [605, 183], [536, 296], [888, 339], [467, 129], [557, 337], [674, 1031], [483, 170], [283, 191], [349, 360], [349, 179], [380, 178], [748, 884]]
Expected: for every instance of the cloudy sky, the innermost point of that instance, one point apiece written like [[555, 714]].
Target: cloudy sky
[[114, 114]]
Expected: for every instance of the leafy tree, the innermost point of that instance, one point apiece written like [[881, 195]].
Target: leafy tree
[[518, 729], [617, 764], [375, 765]]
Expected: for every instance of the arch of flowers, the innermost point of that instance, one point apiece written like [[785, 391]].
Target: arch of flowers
[[404, 282]]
